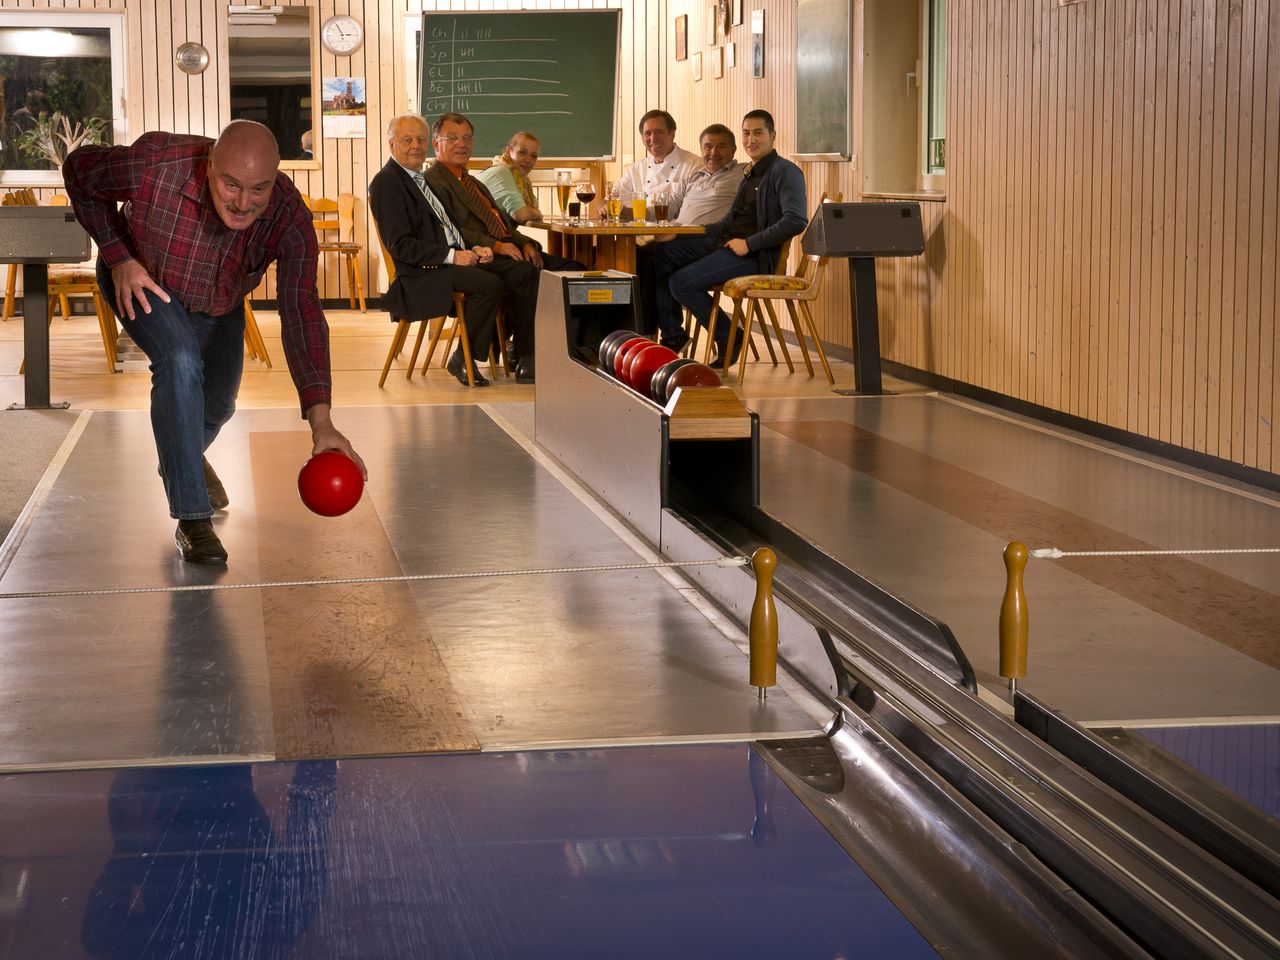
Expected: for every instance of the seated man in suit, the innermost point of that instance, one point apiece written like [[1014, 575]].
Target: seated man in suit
[[767, 211], [484, 223], [431, 256]]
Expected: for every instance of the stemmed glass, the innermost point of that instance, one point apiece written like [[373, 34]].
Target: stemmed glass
[[613, 197], [564, 184], [586, 192]]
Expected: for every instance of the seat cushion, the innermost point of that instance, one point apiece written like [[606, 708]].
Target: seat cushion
[[739, 287]]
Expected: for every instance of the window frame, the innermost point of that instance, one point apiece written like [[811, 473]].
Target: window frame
[[114, 21], [931, 179]]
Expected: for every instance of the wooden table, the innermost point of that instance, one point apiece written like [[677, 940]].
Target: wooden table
[[604, 245]]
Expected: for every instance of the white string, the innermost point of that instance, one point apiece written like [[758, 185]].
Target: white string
[[404, 578], [1053, 553]]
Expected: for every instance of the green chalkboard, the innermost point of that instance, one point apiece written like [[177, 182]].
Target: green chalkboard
[[553, 73]]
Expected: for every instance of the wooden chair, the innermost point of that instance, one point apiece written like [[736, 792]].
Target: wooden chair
[[797, 291], [334, 221], [713, 322], [455, 322], [83, 280], [253, 341]]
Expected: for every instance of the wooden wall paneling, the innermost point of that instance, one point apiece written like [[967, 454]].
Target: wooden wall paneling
[[1073, 245], [1235, 292], [1113, 344], [992, 352], [1268, 362], [135, 110], [1145, 58], [1245, 405], [1165, 179], [1041, 352], [1081, 196], [1190, 80], [1000, 246], [959, 122], [995, 351], [1209, 291], [146, 52], [1219, 413], [1152, 241], [1132, 237]]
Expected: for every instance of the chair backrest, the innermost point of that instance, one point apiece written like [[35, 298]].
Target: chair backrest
[[59, 200], [387, 261], [333, 216], [26, 197]]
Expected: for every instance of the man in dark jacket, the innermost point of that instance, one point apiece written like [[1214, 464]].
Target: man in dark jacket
[[482, 222], [768, 210], [432, 257]]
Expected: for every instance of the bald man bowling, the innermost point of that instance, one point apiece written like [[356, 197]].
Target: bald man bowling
[[201, 222]]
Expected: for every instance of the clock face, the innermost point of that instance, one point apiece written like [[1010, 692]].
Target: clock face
[[342, 35]]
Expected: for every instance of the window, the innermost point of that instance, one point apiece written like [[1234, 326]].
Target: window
[[61, 85], [936, 88], [269, 63]]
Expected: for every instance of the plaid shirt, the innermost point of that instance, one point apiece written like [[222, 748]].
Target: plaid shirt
[[169, 225]]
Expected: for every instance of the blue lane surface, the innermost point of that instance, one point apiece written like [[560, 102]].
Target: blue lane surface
[[1243, 758], [689, 851]]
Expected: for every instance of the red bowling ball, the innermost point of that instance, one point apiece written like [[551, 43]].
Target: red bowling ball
[[692, 375], [644, 363], [620, 357], [330, 483], [609, 344]]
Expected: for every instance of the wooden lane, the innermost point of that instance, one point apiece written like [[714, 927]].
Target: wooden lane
[[602, 245]]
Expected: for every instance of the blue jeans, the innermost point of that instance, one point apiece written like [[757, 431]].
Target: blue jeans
[[196, 362], [685, 271]]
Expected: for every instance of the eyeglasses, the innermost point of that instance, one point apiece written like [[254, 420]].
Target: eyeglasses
[[454, 138]]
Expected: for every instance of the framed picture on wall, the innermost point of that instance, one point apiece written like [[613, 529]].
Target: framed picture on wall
[[737, 13], [730, 55], [713, 21], [717, 63], [682, 37], [757, 43], [696, 65]]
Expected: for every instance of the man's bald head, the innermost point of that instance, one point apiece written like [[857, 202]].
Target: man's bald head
[[242, 171]]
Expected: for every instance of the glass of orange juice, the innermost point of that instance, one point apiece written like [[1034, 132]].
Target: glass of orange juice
[[637, 209]]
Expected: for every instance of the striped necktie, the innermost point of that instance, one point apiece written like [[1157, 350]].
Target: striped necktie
[[451, 232], [492, 222]]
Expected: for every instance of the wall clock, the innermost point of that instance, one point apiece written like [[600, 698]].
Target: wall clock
[[342, 35]]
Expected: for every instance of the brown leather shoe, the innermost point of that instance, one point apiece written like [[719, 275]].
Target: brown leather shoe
[[218, 498], [199, 544]]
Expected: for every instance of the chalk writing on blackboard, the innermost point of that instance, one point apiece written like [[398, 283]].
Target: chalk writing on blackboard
[[551, 72]]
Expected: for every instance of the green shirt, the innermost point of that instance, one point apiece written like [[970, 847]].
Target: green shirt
[[501, 181]]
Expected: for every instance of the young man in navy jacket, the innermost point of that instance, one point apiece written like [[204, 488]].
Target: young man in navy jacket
[[768, 210]]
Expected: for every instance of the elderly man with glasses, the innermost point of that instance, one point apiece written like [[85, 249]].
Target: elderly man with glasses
[[483, 223]]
